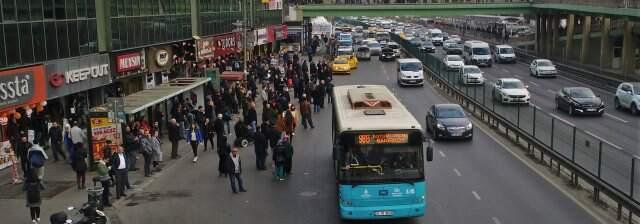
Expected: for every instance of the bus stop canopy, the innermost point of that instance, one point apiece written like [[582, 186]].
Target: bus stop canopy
[[141, 100]]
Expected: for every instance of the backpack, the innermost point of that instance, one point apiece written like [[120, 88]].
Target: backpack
[[36, 159]]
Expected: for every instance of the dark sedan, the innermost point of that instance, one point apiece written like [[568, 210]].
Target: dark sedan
[[428, 47], [579, 100], [387, 54], [449, 121]]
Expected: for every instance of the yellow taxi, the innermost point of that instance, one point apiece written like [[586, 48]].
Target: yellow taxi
[[341, 65], [352, 59]]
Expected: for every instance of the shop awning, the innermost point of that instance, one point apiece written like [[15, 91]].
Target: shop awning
[[146, 98]]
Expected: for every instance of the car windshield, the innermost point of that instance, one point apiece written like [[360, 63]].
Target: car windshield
[[363, 50], [506, 50], [480, 51], [512, 85], [393, 46], [412, 67], [340, 61], [374, 45], [544, 63], [436, 35], [454, 58], [381, 163], [449, 112], [581, 93], [472, 70], [427, 44]]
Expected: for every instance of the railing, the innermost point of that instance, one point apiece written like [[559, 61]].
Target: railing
[[588, 159], [602, 3]]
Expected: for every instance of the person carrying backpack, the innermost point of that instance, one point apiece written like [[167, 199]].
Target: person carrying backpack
[[37, 158]]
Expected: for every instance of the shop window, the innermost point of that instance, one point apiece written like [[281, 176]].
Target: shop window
[[11, 40], [26, 43], [135, 6], [114, 8], [9, 10], [124, 41], [48, 9], [82, 8], [59, 4], [93, 36], [74, 44], [39, 44], [128, 8], [36, 9], [63, 39], [51, 39]]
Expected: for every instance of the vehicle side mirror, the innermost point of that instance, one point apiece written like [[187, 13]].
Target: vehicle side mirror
[[429, 153]]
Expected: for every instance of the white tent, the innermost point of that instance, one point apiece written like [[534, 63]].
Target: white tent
[[321, 25]]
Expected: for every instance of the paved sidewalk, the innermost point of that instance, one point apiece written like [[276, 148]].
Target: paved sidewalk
[[61, 191]]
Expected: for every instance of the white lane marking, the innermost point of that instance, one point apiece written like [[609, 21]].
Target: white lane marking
[[559, 118], [603, 140], [551, 91], [533, 83], [505, 70], [615, 118], [496, 220], [442, 153], [517, 76], [476, 195], [457, 172]]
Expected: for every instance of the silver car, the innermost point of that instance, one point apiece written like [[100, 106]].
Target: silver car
[[374, 47]]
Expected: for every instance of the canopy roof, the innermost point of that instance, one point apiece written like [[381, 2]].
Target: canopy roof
[[141, 100]]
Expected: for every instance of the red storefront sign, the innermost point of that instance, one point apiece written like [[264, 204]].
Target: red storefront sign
[[227, 43], [277, 32], [22, 86], [129, 62]]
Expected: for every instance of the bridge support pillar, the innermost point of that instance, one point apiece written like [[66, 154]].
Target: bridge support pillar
[[605, 44], [555, 21], [571, 23], [548, 21], [539, 32], [628, 48], [586, 32]]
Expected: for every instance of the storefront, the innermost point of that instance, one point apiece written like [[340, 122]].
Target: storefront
[[75, 85], [131, 70], [23, 93], [209, 48], [159, 63], [275, 34], [262, 45]]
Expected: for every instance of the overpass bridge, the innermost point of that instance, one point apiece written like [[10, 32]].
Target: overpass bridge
[[616, 43]]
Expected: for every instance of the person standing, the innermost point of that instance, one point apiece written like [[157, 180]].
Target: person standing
[[260, 147], [174, 136], [119, 167], [209, 132], [55, 139], [77, 135], [305, 112], [279, 160], [233, 166], [132, 147], [288, 152], [218, 127], [37, 158], [157, 150], [102, 173], [147, 152], [33, 197], [21, 149], [223, 152], [80, 165], [194, 139]]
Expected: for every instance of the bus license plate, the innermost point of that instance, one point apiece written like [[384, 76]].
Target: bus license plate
[[383, 213]]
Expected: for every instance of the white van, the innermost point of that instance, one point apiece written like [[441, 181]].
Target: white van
[[409, 72], [504, 53], [476, 53], [436, 37]]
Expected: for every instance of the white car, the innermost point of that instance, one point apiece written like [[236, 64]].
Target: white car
[[542, 68], [509, 90], [396, 48], [628, 96], [453, 62], [374, 47], [471, 74]]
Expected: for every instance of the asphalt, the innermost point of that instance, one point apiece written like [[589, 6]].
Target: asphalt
[[468, 182], [617, 131]]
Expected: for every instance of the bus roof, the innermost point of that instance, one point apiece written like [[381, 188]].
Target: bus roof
[[370, 108]]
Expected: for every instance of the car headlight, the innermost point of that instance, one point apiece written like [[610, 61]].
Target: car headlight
[[440, 126], [469, 126]]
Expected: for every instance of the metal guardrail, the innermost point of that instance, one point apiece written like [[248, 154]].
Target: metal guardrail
[[601, 3], [607, 168]]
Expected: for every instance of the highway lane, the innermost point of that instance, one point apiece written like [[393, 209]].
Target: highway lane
[[616, 164], [469, 182]]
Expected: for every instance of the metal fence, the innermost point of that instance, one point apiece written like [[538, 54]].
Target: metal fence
[[597, 158], [601, 3]]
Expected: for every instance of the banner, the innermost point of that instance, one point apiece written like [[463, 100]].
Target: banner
[[262, 36], [102, 129], [277, 32]]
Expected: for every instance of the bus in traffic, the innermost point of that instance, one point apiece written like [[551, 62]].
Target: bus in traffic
[[378, 153]]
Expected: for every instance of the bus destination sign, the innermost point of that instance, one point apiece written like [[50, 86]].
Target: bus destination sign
[[382, 138]]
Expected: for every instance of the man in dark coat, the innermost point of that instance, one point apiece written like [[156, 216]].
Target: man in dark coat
[[174, 136], [55, 136], [131, 148], [119, 167], [260, 146], [233, 166]]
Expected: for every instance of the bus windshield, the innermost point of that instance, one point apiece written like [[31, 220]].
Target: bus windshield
[[381, 163]]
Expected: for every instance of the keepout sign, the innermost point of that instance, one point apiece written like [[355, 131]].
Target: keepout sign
[[22, 86], [68, 76]]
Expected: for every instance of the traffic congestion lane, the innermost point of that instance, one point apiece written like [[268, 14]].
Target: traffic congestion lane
[[481, 176], [558, 134]]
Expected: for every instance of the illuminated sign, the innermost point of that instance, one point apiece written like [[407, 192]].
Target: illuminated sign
[[382, 138]]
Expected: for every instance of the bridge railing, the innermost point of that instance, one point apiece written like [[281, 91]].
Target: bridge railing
[[586, 159], [602, 3]]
